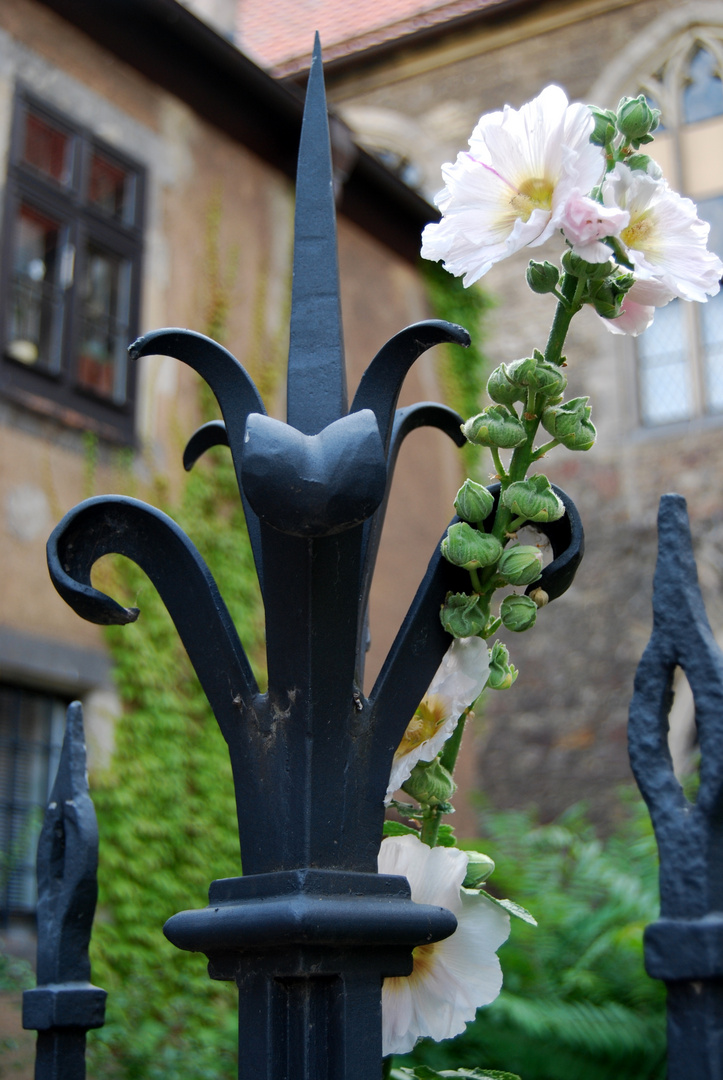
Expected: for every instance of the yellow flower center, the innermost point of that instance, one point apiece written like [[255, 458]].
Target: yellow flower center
[[423, 960], [533, 194], [638, 232], [430, 716]]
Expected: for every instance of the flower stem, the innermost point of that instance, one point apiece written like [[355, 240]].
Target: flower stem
[[501, 471], [542, 450], [572, 289], [431, 821], [452, 745]]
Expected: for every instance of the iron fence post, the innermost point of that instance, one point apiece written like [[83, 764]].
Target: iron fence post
[[685, 946]]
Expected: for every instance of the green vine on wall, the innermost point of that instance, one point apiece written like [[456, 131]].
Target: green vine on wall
[[462, 372]]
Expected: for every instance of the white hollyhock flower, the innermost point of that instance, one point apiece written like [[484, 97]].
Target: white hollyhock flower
[[451, 978], [509, 191], [458, 682], [665, 239]]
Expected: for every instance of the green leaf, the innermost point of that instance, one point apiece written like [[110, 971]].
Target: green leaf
[[446, 837], [511, 907], [395, 828]]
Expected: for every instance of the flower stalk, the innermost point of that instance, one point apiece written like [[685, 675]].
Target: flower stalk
[[630, 245]]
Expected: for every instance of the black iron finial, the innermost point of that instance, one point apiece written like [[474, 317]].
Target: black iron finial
[[311, 929], [316, 379], [684, 947], [64, 1004]]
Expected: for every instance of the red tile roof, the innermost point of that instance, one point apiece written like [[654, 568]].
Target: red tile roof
[[279, 34]]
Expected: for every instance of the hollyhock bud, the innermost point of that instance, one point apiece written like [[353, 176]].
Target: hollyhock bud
[[502, 389], [473, 502], [495, 426], [430, 783], [542, 277], [570, 424], [604, 130], [463, 615], [479, 868], [469, 548], [536, 374], [636, 119], [518, 613], [533, 499], [521, 564], [502, 672]]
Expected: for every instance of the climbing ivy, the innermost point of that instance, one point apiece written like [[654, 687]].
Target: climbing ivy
[[462, 372]]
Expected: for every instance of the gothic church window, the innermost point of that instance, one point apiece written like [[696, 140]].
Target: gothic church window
[[680, 357]]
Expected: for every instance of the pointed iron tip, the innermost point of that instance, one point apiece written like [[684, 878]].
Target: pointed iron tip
[[316, 378]]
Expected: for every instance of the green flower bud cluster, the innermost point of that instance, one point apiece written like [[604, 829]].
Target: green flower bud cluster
[[502, 672], [634, 120], [605, 284], [570, 423], [533, 499]]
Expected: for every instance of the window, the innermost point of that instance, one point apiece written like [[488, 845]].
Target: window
[[31, 737], [680, 357], [71, 273]]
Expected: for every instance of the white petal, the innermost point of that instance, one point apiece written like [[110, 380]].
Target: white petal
[[451, 978]]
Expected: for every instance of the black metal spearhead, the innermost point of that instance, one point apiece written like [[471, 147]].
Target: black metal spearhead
[[64, 1004]]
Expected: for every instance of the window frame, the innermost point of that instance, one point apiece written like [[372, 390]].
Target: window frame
[[58, 394]]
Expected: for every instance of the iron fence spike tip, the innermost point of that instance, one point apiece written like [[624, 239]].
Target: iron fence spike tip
[[316, 375]]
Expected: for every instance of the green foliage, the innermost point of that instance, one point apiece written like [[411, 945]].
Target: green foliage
[[576, 1000], [463, 372]]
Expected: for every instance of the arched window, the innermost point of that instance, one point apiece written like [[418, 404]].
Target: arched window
[[680, 357]]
